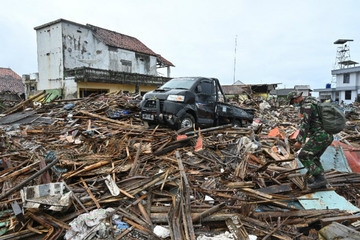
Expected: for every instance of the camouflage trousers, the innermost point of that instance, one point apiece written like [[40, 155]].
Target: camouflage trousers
[[311, 152]]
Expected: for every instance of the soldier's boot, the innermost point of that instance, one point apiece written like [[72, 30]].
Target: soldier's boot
[[318, 181]]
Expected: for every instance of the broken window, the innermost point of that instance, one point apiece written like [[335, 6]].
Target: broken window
[[346, 78], [206, 88], [112, 49], [84, 92], [126, 65], [347, 95]]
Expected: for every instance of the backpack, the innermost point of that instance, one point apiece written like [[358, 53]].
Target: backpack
[[332, 117]]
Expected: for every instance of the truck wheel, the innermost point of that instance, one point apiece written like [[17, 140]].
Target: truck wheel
[[237, 123], [186, 121], [146, 124]]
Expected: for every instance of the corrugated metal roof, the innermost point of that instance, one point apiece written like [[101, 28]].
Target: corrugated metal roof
[[235, 89], [327, 200]]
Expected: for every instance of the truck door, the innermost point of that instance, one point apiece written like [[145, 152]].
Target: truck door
[[205, 101]]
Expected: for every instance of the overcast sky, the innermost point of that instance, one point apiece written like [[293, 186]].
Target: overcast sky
[[278, 41]]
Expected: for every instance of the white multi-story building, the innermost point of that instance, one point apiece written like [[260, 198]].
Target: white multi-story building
[[347, 84], [346, 76], [347, 88], [81, 59]]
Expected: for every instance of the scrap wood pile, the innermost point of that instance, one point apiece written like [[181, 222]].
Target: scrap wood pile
[[88, 169]]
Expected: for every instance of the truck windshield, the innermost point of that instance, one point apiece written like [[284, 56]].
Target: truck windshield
[[180, 83]]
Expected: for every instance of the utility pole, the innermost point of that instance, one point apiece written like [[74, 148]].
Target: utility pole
[[235, 58]]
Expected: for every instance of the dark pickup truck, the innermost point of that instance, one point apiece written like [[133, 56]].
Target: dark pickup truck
[[182, 102]]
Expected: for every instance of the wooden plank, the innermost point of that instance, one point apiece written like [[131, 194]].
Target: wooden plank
[[237, 228], [296, 214], [108, 119], [90, 193], [208, 212], [123, 234], [240, 184], [276, 189], [351, 218], [22, 104], [134, 166], [256, 193], [145, 214], [18, 172], [87, 168], [187, 206]]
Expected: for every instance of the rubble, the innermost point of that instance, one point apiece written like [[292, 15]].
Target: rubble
[[128, 182]]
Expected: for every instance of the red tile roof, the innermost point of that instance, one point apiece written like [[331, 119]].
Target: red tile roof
[[122, 41], [10, 81], [115, 39]]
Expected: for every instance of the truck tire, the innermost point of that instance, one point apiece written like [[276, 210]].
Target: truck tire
[[186, 121], [236, 123], [146, 124]]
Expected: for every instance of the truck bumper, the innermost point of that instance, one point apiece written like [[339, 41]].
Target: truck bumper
[[164, 113]]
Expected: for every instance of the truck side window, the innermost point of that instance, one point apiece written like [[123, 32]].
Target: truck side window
[[206, 88], [207, 92]]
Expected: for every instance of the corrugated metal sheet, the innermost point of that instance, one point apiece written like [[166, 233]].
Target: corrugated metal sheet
[[332, 158], [327, 200]]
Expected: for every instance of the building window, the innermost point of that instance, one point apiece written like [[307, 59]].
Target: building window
[[126, 65], [346, 78], [347, 95], [84, 92], [112, 49]]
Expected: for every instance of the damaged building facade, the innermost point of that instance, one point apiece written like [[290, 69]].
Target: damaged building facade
[[78, 60]]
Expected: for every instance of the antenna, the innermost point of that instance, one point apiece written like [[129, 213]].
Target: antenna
[[343, 54], [342, 59], [235, 58]]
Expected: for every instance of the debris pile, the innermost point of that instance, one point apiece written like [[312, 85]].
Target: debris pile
[[88, 169]]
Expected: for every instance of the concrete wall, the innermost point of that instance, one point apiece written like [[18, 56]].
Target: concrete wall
[[70, 88], [340, 81], [342, 97], [354, 83], [50, 57], [82, 49]]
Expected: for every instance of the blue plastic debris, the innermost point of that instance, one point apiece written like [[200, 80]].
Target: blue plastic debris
[[69, 106], [121, 225], [118, 114]]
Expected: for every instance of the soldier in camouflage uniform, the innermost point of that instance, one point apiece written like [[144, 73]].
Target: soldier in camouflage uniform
[[319, 139]]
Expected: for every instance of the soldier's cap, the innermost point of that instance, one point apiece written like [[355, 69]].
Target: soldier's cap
[[293, 94]]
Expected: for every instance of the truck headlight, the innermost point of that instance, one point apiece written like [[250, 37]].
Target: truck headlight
[[176, 98]]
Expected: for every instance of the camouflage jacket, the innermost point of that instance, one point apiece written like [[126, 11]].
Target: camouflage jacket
[[310, 121]]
